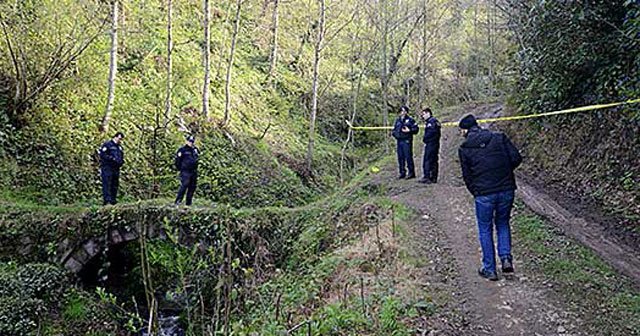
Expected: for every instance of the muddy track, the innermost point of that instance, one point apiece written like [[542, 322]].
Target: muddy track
[[585, 228], [507, 307], [512, 306], [594, 235], [582, 227]]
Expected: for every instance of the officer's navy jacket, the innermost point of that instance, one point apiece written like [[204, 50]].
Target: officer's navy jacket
[[187, 159], [402, 122], [111, 155], [431, 131]]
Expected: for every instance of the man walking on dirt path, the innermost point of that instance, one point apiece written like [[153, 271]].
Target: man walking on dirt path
[[431, 140], [404, 129], [488, 160]]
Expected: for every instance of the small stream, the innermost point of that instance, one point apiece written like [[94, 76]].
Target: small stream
[[120, 279], [169, 326]]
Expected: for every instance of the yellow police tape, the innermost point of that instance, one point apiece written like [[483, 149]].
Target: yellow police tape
[[519, 117]]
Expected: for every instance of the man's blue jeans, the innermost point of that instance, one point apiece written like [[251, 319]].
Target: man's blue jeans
[[490, 209]]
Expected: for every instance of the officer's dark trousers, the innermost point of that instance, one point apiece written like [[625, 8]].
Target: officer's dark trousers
[[430, 161], [188, 183], [405, 158], [110, 180]]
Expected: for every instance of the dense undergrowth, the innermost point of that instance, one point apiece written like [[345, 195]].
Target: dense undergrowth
[[209, 260], [48, 146], [582, 280], [592, 155]]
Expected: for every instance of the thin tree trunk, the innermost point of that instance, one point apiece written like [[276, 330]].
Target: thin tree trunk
[[122, 43], [113, 68], [232, 52], [263, 9], [274, 40], [491, 48], [16, 66], [207, 65], [314, 100], [475, 40], [356, 86], [423, 58], [384, 78], [167, 105]]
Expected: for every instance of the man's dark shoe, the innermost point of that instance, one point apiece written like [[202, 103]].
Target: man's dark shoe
[[425, 181], [507, 266], [401, 177], [488, 275], [411, 177]]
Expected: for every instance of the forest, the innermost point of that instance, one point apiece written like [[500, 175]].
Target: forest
[[299, 224]]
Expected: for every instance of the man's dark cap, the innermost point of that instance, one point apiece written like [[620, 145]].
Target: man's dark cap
[[191, 138], [119, 135], [468, 121]]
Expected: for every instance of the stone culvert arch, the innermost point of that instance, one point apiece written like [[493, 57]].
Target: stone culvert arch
[[71, 237], [75, 256]]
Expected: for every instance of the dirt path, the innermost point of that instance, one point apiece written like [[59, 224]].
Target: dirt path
[[591, 234], [588, 232], [506, 307], [518, 305]]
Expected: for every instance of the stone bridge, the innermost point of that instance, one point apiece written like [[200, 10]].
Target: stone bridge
[[79, 236], [75, 256]]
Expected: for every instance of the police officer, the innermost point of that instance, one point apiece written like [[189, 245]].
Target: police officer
[[111, 159], [403, 130], [431, 141], [187, 163], [488, 160]]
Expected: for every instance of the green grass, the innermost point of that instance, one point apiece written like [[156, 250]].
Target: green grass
[[302, 288], [582, 279]]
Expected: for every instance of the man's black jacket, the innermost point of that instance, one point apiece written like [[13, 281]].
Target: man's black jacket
[[488, 160]]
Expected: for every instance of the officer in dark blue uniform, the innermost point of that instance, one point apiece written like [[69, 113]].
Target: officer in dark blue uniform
[[431, 141], [111, 159], [187, 163], [403, 130]]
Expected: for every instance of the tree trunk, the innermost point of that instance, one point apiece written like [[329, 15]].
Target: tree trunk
[[206, 60], [232, 51], [475, 41], [113, 68], [314, 100], [167, 105], [423, 59], [20, 88], [274, 40], [356, 85], [384, 82], [491, 48], [122, 43]]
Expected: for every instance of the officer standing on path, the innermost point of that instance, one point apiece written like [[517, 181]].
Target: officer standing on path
[[403, 130], [187, 163], [111, 159], [488, 160], [431, 141]]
